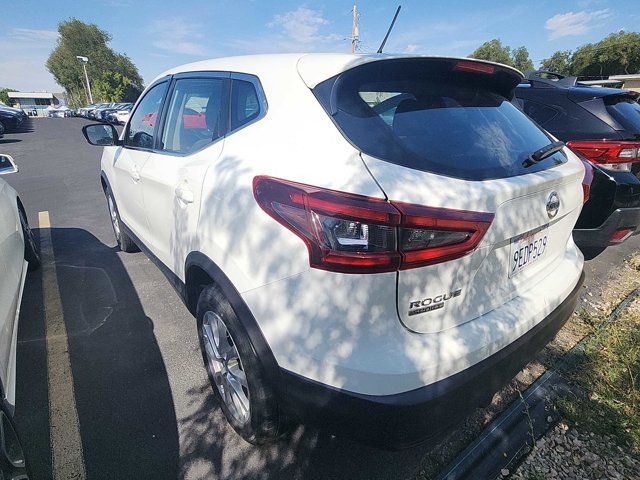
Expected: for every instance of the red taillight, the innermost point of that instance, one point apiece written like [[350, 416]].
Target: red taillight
[[475, 67], [587, 180], [356, 234], [621, 234], [615, 155]]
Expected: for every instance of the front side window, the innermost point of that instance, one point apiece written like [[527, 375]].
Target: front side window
[[196, 115], [144, 119], [245, 106]]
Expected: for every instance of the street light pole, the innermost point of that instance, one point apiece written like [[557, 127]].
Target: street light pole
[[84, 61]]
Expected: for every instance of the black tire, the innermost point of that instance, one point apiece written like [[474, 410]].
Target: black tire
[[2, 130], [13, 463], [265, 422], [125, 243], [31, 250], [592, 252]]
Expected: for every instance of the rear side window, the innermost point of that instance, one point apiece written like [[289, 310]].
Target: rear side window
[[245, 106], [423, 114], [539, 112], [143, 121], [626, 111], [196, 115]]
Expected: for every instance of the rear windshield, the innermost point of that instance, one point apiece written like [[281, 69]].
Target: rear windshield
[[626, 111], [425, 115]]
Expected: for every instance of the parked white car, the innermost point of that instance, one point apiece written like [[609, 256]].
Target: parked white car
[[18, 253], [372, 243], [122, 116]]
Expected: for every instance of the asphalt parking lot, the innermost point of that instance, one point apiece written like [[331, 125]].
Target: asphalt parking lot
[[142, 405]]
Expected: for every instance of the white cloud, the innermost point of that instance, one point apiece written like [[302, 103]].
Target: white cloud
[[177, 35], [31, 35], [23, 53], [412, 47], [574, 23], [302, 27]]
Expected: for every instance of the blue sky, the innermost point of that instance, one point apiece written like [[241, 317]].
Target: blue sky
[[161, 34]]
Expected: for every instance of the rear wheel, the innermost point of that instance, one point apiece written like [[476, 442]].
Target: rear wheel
[[235, 371], [13, 464], [124, 241], [31, 250]]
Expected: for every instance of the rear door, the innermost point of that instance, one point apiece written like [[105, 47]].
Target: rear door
[[444, 134]]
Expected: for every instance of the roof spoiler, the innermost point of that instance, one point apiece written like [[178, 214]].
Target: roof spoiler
[[548, 78]]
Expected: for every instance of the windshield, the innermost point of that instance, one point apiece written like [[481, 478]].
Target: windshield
[[426, 116]]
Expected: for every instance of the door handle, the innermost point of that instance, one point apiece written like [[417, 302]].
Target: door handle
[[135, 173], [185, 194]]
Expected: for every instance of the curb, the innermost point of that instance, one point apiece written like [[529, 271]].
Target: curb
[[510, 436]]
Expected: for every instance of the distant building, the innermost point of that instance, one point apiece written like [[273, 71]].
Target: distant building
[[602, 83], [34, 102], [631, 82]]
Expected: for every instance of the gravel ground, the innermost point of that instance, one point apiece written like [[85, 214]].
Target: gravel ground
[[568, 453]]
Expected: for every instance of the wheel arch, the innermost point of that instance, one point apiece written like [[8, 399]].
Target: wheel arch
[[201, 271], [104, 182]]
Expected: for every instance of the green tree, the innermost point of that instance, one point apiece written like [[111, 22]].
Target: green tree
[[494, 51], [4, 96], [618, 53], [520, 59], [116, 76], [558, 62]]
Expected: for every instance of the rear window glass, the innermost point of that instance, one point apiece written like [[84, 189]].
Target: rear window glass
[[423, 115], [625, 111]]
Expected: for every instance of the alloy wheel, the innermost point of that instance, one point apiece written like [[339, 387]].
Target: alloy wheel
[[225, 366]]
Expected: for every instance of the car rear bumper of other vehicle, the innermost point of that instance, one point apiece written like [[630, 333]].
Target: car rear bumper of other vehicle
[[622, 218], [424, 414]]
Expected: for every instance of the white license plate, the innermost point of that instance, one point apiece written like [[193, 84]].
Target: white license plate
[[527, 249]]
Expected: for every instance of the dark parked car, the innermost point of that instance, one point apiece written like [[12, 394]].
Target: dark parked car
[[603, 125], [11, 118]]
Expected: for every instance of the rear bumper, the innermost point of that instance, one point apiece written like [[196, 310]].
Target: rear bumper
[[601, 236], [424, 414]]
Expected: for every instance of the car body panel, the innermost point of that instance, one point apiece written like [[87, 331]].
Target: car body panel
[[13, 275], [351, 338], [519, 207]]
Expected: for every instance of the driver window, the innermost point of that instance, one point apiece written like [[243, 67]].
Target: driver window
[[143, 120]]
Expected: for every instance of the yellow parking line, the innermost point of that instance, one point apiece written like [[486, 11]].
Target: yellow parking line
[[66, 444]]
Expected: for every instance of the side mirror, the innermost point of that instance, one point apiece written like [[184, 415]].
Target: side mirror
[[101, 134], [7, 165]]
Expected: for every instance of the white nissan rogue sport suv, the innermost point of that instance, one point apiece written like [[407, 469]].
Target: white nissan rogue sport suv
[[371, 243]]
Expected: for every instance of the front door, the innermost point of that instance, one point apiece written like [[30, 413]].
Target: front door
[[130, 159]]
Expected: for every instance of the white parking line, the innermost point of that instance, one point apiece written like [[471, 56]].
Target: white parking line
[[66, 445]]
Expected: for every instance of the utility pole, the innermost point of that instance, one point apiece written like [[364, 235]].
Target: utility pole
[[355, 34], [84, 61]]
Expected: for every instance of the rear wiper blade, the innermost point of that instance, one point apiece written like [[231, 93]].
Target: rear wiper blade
[[543, 153]]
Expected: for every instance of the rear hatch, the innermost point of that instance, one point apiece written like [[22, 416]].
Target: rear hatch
[[442, 133]]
